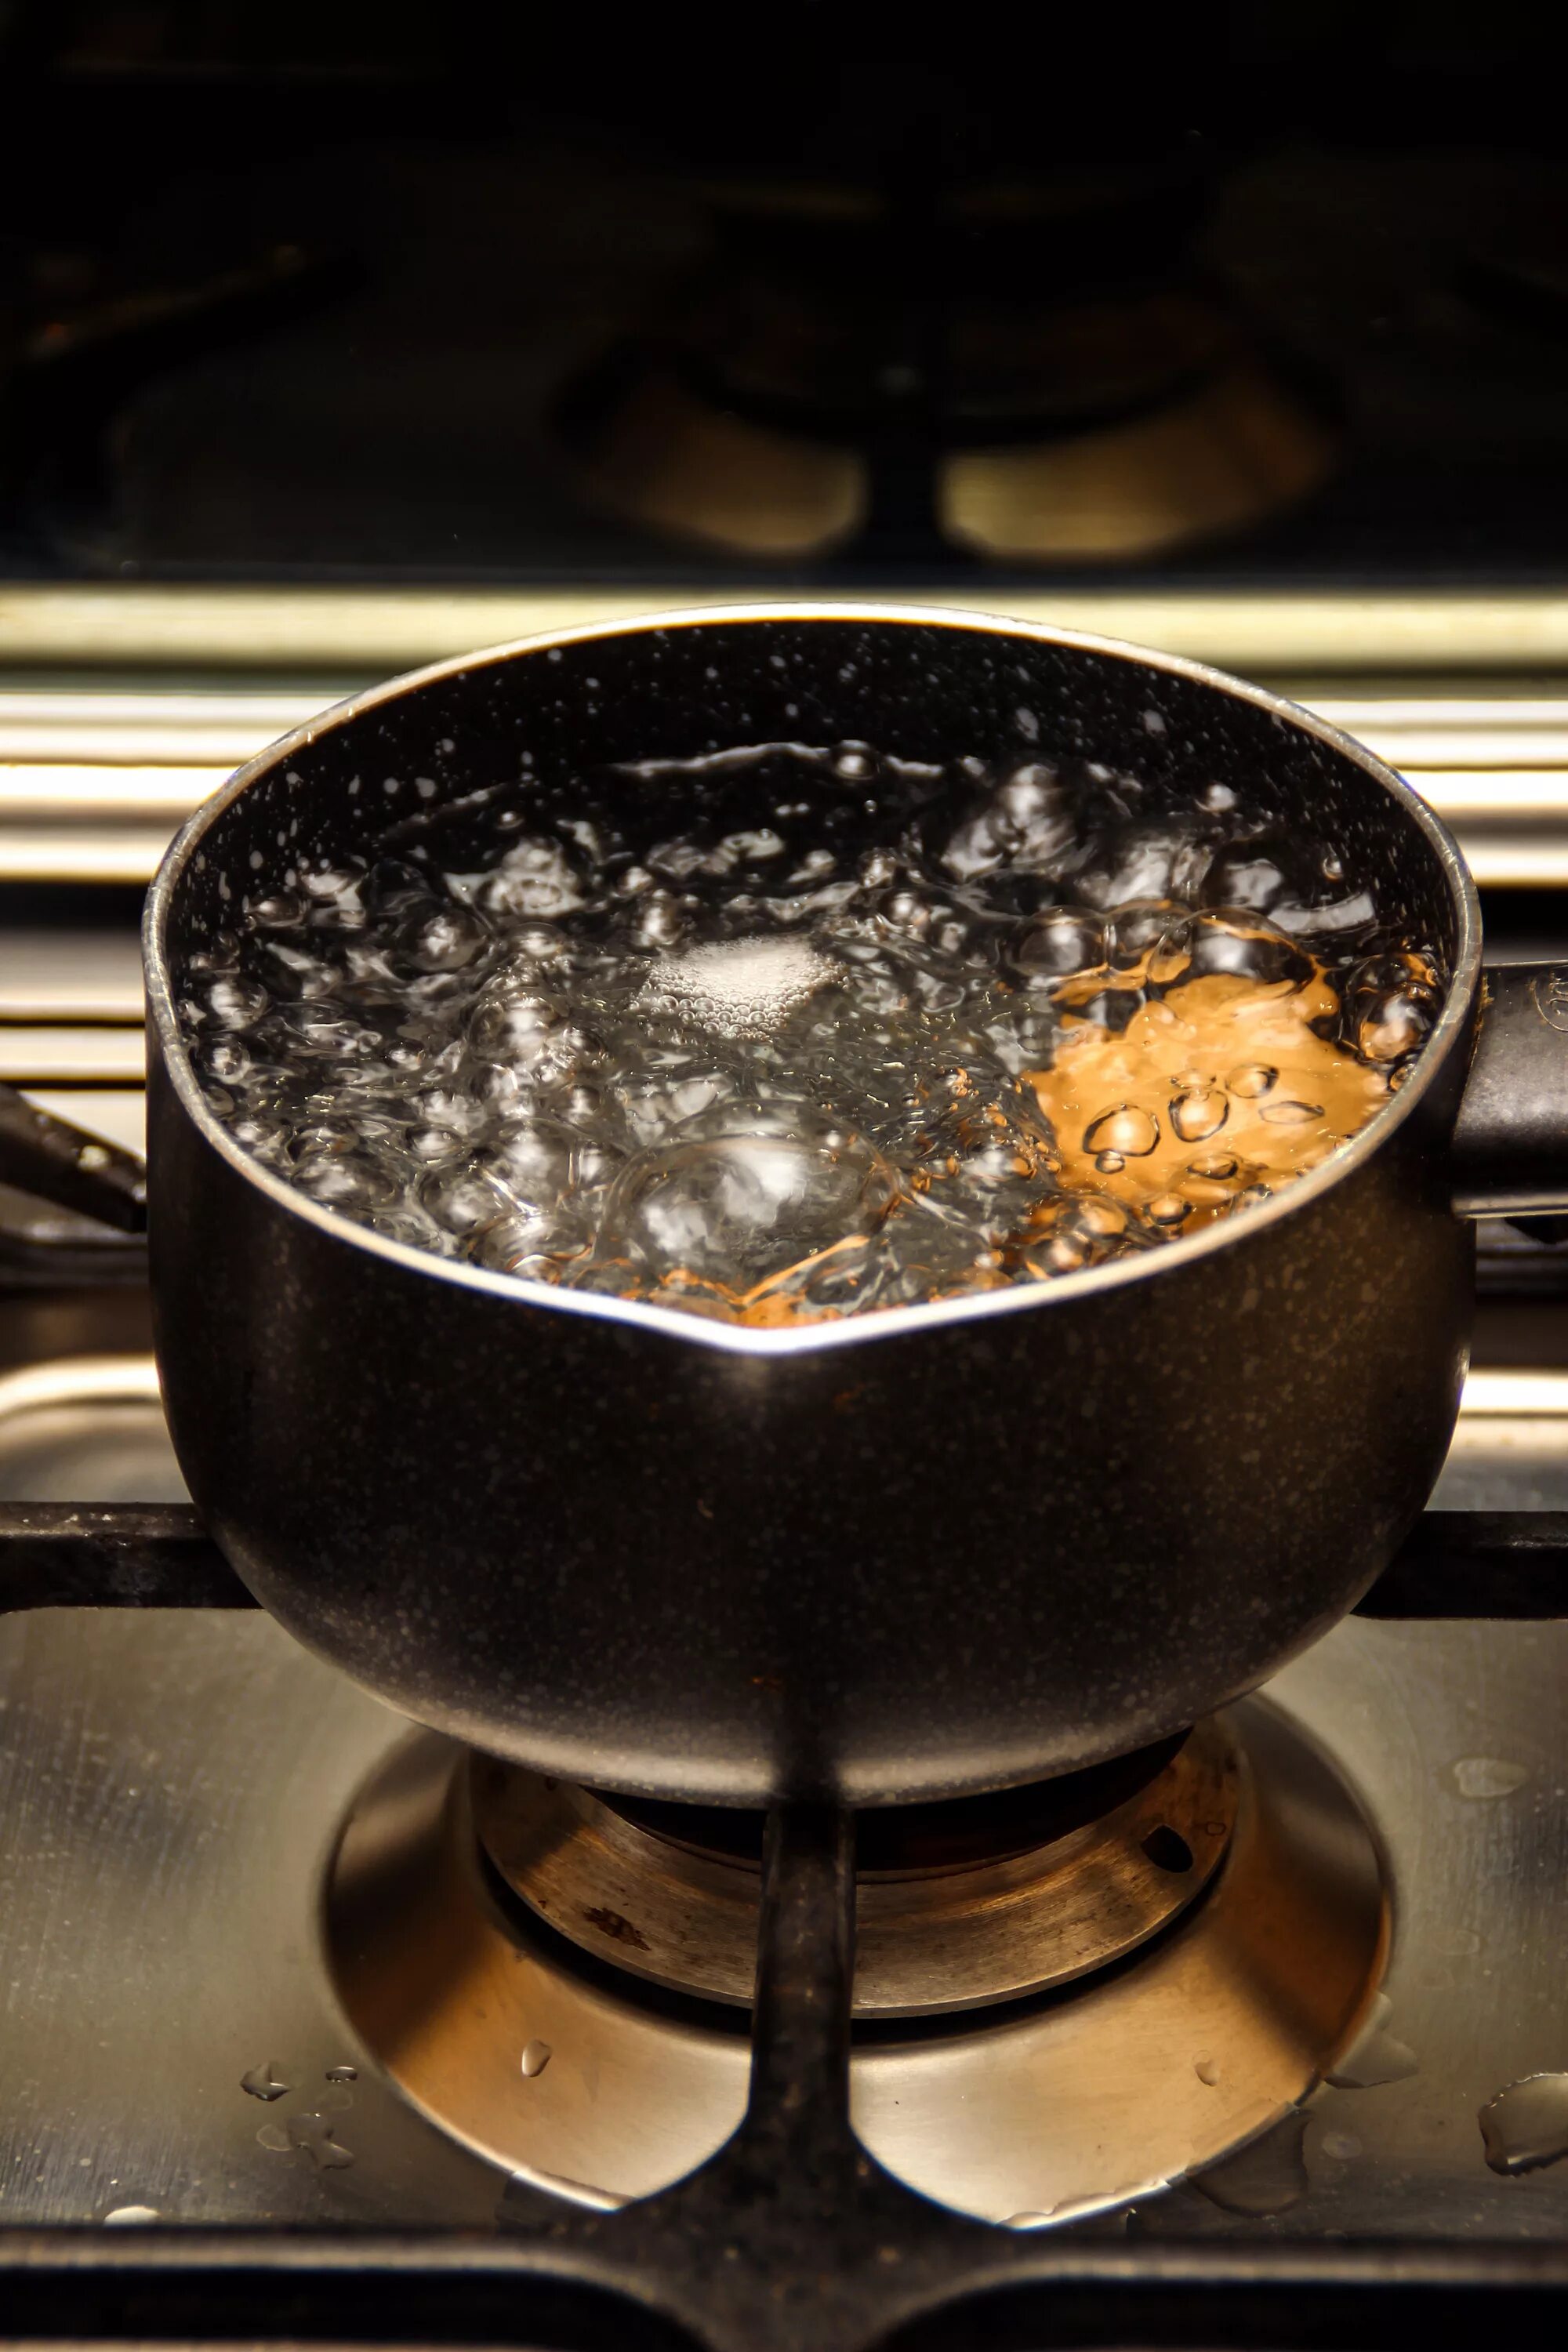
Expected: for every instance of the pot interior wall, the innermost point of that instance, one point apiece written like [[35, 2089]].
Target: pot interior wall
[[398, 777]]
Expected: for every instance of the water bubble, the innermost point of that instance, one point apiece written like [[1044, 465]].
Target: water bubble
[[1139, 865], [1250, 1080], [265, 1138], [430, 1146], [342, 2074], [536, 2057], [660, 921], [280, 910], [1207, 2071], [121, 2217], [457, 1114], [905, 911], [533, 1157], [854, 763], [512, 1023], [655, 1110], [235, 1004], [1027, 823], [1392, 1025], [333, 889], [1135, 929], [225, 1060], [349, 1181], [743, 1206], [460, 1198], [1288, 1113], [1197, 1115], [1167, 1208], [534, 877], [1059, 943], [1124, 1129], [1246, 877], [1233, 944], [442, 938]]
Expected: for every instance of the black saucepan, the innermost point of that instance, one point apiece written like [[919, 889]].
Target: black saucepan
[[943, 1548]]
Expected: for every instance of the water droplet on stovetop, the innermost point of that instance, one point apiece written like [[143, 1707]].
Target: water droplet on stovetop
[[121, 2216], [342, 2074], [311, 2132], [1266, 2177], [1484, 1777], [1526, 2126], [266, 2082], [1341, 2146], [1375, 2056], [314, 2134], [536, 2057]]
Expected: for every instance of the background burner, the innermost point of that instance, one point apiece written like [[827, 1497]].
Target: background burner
[[1015, 370]]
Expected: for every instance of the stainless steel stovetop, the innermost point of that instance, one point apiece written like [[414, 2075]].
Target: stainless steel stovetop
[[172, 1786]]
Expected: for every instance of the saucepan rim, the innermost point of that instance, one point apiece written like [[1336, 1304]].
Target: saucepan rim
[[1036, 1298]]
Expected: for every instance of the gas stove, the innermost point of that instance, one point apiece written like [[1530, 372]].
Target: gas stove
[[380, 345]]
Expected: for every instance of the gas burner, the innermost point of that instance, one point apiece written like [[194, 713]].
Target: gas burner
[[980, 1900], [1218, 438], [1162, 1979], [1025, 374]]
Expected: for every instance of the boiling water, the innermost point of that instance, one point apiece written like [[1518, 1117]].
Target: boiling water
[[1022, 1026]]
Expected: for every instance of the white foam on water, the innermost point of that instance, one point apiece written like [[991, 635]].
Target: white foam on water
[[740, 988]]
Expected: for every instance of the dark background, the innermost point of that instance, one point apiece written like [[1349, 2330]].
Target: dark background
[[332, 292]]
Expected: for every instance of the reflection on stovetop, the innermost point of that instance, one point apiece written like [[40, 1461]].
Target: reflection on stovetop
[[173, 1789], [193, 2025]]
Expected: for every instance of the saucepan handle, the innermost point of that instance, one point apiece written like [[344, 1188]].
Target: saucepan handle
[[1511, 1140], [64, 1165]]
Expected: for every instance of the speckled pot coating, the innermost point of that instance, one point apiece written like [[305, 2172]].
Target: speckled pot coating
[[941, 1549]]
